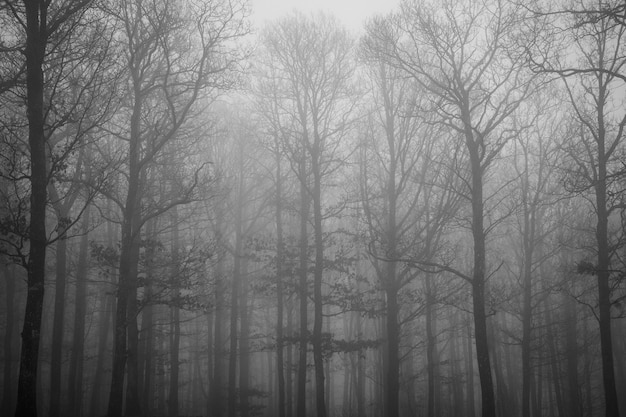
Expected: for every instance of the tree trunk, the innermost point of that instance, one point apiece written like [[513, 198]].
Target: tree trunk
[[147, 339], [304, 292], [318, 271], [80, 310], [471, 406], [528, 247], [36, 39], [129, 258], [478, 276], [216, 393], [56, 352], [106, 311], [104, 323], [234, 310], [431, 345], [392, 378], [279, 290], [133, 402], [289, 362], [554, 362], [574, 408], [7, 344], [172, 403], [244, 345], [174, 319], [604, 288]]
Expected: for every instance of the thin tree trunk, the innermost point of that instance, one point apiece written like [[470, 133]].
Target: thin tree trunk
[[104, 324], [174, 319], [105, 314], [528, 246], [604, 288], [279, 290], [318, 271], [289, 408], [216, 396], [56, 352], [133, 401], [129, 257], [244, 346], [431, 345], [471, 406], [210, 373], [457, 388], [234, 308], [7, 382], [304, 292], [147, 342], [80, 309], [574, 394], [554, 363], [392, 378]]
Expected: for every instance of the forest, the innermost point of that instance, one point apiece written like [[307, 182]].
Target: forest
[[201, 217]]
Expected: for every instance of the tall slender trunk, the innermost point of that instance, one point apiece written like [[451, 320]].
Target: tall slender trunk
[[574, 394], [289, 409], [554, 362], [147, 339], [174, 319], [217, 393], [390, 280], [210, 373], [318, 271], [234, 304], [528, 247], [304, 292], [244, 345], [457, 388], [80, 309], [431, 345], [56, 352], [604, 287], [104, 324], [7, 366], [471, 406], [392, 377], [104, 320], [279, 290], [133, 401], [36, 39], [128, 260], [478, 275]]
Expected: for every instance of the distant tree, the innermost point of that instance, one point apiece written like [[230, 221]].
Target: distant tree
[[535, 158], [175, 58], [312, 58], [406, 196], [463, 54], [593, 77]]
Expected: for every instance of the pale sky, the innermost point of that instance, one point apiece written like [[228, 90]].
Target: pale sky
[[351, 13]]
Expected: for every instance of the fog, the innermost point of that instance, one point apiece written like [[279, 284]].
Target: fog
[[208, 211]]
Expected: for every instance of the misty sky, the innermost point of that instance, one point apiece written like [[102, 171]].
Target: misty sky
[[351, 12]]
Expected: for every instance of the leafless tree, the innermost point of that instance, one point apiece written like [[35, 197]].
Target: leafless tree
[[462, 53]]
